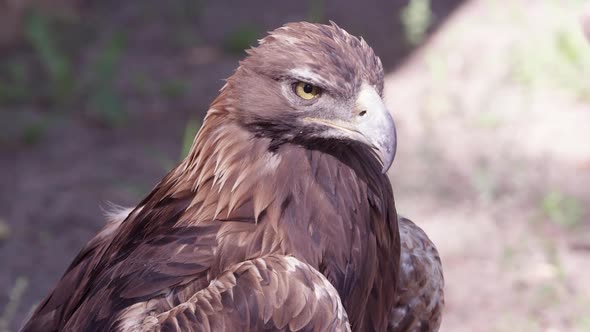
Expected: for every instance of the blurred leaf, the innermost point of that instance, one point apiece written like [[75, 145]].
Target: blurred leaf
[[488, 120], [33, 133], [416, 18], [14, 85], [583, 322], [14, 300], [161, 158], [190, 131], [188, 9], [242, 38], [545, 294], [174, 88], [556, 56], [43, 39], [108, 59], [142, 84], [316, 11], [186, 38], [562, 210], [133, 190], [104, 99], [484, 183]]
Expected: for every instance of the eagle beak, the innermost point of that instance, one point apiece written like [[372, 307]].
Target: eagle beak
[[371, 124], [374, 123]]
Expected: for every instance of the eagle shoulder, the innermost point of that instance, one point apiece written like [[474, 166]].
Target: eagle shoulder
[[419, 299]]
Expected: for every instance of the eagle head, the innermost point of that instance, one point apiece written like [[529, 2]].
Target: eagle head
[[314, 85]]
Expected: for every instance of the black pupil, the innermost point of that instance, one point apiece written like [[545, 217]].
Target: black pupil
[[308, 88]]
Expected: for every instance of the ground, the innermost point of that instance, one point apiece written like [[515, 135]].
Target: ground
[[493, 114]]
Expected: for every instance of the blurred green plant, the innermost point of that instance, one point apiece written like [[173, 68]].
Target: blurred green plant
[[14, 300], [161, 158], [242, 38], [141, 84], [175, 88], [34, 132], [187, 9], [416, 18], [165, 161], [185, 13], [484, 183], [103, 99], [556, 56], [185, 38], [545, 295], [509, 322], [315, 13], [562, 209], [582, 321], [14, 82], [554, 258], [508, 259], [439, 99], [40, 32], [134, 191], [190, 131], [487, 120]]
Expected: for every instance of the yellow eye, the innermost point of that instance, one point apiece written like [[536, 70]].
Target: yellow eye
[[307, 91]]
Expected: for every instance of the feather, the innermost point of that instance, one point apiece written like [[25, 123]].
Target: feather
[[302, 286], [420, 297]]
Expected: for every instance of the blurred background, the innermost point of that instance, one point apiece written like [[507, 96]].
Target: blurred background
[[99, 99]]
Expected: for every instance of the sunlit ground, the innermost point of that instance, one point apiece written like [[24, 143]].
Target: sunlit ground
[[494, 162]]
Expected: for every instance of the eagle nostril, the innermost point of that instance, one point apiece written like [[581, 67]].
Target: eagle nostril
[[362, 113]]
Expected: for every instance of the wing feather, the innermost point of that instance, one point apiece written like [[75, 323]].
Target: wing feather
[[420, 296], [271, 293]]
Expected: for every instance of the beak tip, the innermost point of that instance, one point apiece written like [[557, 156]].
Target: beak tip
[[388, 161], [388, 156]]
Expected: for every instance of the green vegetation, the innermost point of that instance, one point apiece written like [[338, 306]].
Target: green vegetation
[[14, 301], [242, 38], [416, 18], [190, 131], [103, 99], [184, 13], [562, 209], [33, 132], [315, 12], [484, 183], [42, 37], [52, 42], [14, 86], [174, 88], [557, 56]]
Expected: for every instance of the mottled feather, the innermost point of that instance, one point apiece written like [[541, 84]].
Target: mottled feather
[[270, 293], [420, 296]]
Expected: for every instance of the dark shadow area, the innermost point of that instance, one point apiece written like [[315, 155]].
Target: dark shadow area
[[99, 99]]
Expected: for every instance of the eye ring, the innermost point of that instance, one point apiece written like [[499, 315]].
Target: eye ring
[[306, 90]]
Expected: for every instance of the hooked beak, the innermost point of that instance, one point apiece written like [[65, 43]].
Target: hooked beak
[[371, 124]]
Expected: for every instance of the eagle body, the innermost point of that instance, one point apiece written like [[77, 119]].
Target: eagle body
[[280, 218]]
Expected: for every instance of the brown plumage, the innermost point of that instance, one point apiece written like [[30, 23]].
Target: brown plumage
[[420, 296], [280, 218]]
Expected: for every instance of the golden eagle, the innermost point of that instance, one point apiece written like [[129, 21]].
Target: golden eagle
[[280, 219]]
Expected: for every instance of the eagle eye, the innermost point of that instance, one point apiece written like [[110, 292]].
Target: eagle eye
[[306, 90]]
